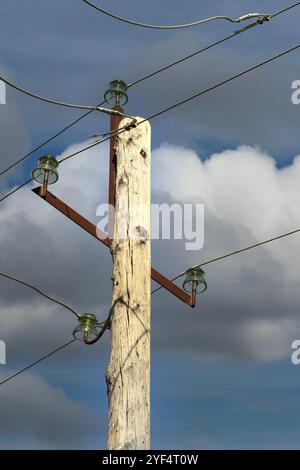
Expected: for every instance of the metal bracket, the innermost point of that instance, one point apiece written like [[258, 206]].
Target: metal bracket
[[102, 237]]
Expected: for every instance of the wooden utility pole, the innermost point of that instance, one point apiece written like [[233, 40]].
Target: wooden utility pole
[[114, 125], [129, 240], [128, 373]]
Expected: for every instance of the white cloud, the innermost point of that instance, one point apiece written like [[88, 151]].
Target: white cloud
[[247, 198], [251, 307]]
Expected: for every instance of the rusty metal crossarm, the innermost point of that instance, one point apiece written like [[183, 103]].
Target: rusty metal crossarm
[[82, 222]]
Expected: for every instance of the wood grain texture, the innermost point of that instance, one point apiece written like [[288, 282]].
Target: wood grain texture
[[128, 373]]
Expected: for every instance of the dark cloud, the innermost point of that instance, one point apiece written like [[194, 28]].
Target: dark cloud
[[66, 50], [253, 296], [36, 411], [70, 52]]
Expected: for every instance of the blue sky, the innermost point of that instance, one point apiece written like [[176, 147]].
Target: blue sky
[[225, 378]]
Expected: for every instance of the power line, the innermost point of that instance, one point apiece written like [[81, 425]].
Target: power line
[[205, 263], [152, 74], [284, 10], [16, 189], [232, 253], [201, 93], [62, 160], [37, 362], [84, 149], [47, 296], [105, 326], [108, 134], [180, 103], [230, 79], [56, 102], [123, 130], [178, 26], [50, 139], [227, 38], [190, 56]]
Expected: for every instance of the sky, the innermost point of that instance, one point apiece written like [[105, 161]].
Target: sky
[[222, 376]]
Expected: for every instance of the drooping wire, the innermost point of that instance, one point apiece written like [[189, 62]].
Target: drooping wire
[[122, 130], [178, 26], [105, 325], [196, 95], [57, 102], [47, 296], [233, 253], [200, 51], [100, 104], [180, 103], [107, 322], [143, 79]]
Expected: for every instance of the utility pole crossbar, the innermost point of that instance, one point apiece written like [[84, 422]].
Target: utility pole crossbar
[[129, 242], [82, 222]]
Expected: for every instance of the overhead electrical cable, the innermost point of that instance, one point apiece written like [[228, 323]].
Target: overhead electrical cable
[[205, 263], [123, 130], [177, 26], [169, 108], [57, 102], [233, 253], [223, 82], [47, 296], [37, 362], [152, 74], [14, 190], [50, 139], [290, 7]]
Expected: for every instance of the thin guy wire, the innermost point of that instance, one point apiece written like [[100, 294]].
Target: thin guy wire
[[232, 253], [19, 281], [178, 26]]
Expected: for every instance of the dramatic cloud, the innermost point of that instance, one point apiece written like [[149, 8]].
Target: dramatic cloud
[[254, 296], [76, 67], [37, 414], [247, 199], [250, 311], [40, 245]]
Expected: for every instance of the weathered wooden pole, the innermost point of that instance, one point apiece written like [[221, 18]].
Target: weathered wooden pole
[[128, 373]]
